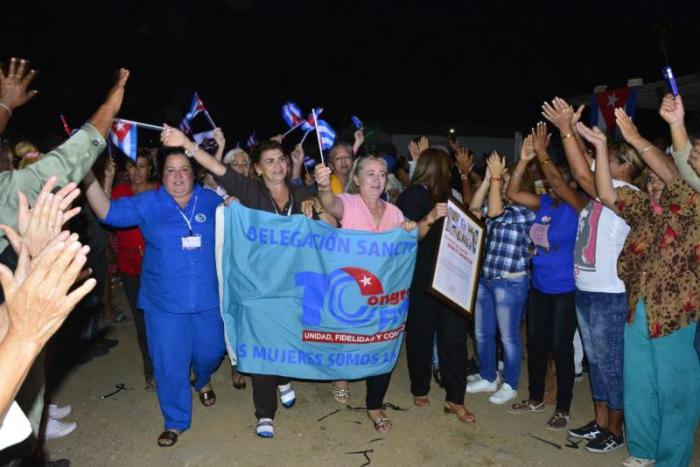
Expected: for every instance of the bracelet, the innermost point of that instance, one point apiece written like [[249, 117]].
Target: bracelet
[[495, 179], [193, 152], [545, 162], [646, 148], [463, 176], [567, 136], [6, 107], [515, 174]]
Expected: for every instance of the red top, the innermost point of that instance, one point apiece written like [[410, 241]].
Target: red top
[[130, 243]]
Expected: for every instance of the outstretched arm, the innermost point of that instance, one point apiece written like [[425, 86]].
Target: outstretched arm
[[173, 138], [603, 180], [514, 191], [561, 114], [652, 156], [540, 140]]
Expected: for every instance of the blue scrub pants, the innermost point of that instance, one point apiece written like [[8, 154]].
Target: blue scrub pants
[[661, 392], [176, 342]]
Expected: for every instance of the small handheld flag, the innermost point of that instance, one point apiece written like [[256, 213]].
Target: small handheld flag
[[310, 124], [291, 114], [356, 121], [124, 137], [196, 107], [326, 133]]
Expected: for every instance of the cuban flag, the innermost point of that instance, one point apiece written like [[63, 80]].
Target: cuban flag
[[123, 136], [308, 125], [356, 121], [604, 103], [309, 162], [291, 113], [195, 107], [326, 133], [252, 140]]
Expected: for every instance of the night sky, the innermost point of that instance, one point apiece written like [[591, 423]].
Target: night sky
[[427, 66]]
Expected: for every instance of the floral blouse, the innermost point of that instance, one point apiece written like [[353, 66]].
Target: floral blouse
[[659, 262]]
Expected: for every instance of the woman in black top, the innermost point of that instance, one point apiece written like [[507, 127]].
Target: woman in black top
[[426, 199], [273, 193]]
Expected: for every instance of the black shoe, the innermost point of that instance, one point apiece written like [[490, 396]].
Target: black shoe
[[589, 431], [605, 442]]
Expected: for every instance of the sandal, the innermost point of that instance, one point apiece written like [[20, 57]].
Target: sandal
[[460, 411], [382, 423], [341, 395], [167, 438], [237, 379], [421, 401], [207, 398], [264, 428]]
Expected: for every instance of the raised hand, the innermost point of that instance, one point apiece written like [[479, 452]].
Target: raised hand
[[672, 110], [576, 116], [423, 144], [297, 155], [496, 164], [540, 138], [465, 161], [171, 137], [413, 150], [627, 127], [559, 113], [219, 138], [37, 300], [102, 118], [278, 138], [14, 84], [322, 174], [593, 135], [110, 170], [359, 139], [38, 226], [527, 150]]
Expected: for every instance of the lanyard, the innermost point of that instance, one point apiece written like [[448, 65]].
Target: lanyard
[[291, 204], [188, 221]]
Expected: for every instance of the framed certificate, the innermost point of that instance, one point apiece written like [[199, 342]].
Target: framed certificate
[[458, 259]]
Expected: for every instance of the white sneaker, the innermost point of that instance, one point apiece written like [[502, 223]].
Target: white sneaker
[[503, 395], [632, 461], [483, 385], [57, 412], [58, 429]]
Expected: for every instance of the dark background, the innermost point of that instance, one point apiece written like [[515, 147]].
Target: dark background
[[480, 67]]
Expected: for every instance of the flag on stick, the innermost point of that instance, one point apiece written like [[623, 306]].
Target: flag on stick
[[124, 137]]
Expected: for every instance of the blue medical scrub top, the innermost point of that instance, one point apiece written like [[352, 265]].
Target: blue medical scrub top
[[173, 279]]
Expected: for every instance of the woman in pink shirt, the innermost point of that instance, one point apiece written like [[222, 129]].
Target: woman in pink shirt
[[362, 208]]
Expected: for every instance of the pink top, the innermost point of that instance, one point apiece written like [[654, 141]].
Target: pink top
[[356, 215]]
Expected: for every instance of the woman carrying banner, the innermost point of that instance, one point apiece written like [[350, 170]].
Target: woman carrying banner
[[551, 315], [425, 202], [179, 290], [362, 208], [271, 192]]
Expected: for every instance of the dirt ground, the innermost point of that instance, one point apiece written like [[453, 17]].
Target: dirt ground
[[122, 430]]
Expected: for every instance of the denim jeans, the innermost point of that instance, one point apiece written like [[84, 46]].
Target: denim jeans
[[601, 320], [500, 305]]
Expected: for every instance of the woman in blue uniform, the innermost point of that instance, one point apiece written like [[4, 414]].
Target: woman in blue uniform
[[179, 291]]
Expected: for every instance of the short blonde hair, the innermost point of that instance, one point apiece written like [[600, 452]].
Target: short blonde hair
[[360, 162]]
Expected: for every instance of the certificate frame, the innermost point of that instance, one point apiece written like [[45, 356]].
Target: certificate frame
[[459, 256]]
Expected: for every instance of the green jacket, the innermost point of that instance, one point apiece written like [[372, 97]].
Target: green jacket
[[69, 162]]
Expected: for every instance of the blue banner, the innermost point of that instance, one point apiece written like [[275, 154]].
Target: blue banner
[[306, 300]]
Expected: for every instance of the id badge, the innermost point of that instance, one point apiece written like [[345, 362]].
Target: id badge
[[191, 242]]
